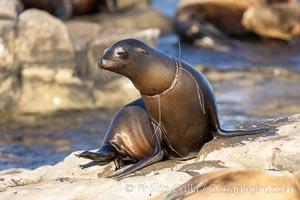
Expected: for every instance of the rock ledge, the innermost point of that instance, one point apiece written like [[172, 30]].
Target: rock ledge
[[275, 150]]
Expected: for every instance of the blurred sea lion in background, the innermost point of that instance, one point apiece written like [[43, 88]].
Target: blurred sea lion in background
[[281, 21], [68, 8], [199, 18], [245, 184]]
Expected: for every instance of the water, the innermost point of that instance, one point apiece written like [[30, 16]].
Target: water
[[242, 55], [168, 7], [34, 140]]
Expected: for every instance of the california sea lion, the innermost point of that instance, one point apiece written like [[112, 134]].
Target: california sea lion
[[177, 106], [246, 184], [196, 19], [281, 20]]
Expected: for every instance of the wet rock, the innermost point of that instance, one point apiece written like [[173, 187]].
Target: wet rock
[[68, 168], [82, 33], [84, 86], [10, 9], [7, 36], [43, 39], [133, 17], [280, 21], [46, 55], [116, 92], [9, 70], [58, 179], [9, 91], [121, 4], [72, 79], [277, 148], [274, 150], [57, 94], [39, 53]]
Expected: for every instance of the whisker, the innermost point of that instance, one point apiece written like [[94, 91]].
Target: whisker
[[106, 75], [101, 71]]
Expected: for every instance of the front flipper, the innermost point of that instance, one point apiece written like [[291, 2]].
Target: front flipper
[[98, 156], [103, 156], [93, 163]]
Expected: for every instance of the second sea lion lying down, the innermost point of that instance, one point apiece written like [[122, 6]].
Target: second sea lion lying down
[[281, 21], [238, 184]]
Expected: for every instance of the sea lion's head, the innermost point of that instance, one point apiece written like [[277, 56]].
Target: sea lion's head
[[149, 69], [124, 56]]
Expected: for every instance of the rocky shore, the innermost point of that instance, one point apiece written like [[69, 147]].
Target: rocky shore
[[39, 52], [275, 150]]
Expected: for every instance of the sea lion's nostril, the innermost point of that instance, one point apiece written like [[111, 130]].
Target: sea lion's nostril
[[100, 62]]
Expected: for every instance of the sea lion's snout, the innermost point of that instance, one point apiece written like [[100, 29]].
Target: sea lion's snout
[[105, 63], [101, 62]]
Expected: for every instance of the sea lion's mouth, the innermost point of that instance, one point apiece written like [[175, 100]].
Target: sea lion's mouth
[[111, 68]]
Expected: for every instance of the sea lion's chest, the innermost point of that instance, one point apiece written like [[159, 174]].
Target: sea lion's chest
[[180, 114]]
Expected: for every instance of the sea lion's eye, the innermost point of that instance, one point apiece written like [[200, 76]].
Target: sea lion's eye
[[120, 52]]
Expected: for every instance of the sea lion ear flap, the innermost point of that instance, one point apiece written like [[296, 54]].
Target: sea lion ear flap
[[139, 49]]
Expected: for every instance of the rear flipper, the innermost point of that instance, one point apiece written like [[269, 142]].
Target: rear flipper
[[156, 157], [217, 131], [224, 133]]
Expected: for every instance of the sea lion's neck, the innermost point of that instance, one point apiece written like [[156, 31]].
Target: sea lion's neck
[[158, 77]]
